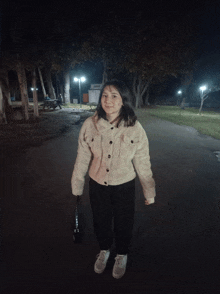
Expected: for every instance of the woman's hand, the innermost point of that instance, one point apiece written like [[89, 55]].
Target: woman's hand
[[149, 201]]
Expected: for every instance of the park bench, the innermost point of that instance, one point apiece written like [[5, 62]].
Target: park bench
[[52, 103]]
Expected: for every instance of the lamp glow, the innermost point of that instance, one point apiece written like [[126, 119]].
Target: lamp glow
[[203, 88], [179, 92], [82, 79]]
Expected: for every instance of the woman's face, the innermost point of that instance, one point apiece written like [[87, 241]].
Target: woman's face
[[111, 101]]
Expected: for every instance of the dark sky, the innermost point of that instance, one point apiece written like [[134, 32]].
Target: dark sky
[[85, 14]]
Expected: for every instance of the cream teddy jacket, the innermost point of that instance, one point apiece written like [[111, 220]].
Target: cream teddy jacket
[[112, 155]]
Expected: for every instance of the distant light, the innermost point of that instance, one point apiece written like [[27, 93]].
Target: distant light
[[203, 88], [32, 89], [82, 79], [179, 92]]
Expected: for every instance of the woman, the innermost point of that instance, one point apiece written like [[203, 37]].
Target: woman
[[108, 143]]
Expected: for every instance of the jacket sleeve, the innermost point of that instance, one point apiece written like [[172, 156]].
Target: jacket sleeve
[[142, 165], [83, 159]]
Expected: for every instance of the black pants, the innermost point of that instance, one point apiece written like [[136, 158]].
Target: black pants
[[108, 202]]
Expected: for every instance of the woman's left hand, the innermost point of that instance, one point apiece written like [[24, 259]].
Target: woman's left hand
[[148, 202]]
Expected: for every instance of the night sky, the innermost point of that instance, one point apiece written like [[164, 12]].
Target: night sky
[[87, 14]]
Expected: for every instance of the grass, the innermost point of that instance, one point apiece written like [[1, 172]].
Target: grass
[[208, 123]]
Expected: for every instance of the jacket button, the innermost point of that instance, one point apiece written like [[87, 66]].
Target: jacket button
[[107, 170], [92, 139], [132, 141], [112, 128], [105, 183], [110, 142], [109, 156]]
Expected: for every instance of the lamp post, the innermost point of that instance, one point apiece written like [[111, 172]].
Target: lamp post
[[82, 79], [203, 88], [34, 89], [180, 93]]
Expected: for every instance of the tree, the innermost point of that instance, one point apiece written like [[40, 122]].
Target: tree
[[35, 100], [42, 82], [2, 108], [103, 43], [6, 107], [143, 52], [139, 89], [156, 51], [48, 76], [67, 87], [207, 95], [23, 87]]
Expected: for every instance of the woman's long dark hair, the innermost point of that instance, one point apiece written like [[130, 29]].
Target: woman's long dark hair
[[126, 112]]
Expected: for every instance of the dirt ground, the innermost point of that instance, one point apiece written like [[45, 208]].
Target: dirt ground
[[175, 246]]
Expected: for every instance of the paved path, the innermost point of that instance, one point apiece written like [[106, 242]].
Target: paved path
[[175, 246]]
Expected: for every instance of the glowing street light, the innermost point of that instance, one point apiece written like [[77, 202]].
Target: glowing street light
[[180, 93], [82, 79], [203, 88], [32, 89]]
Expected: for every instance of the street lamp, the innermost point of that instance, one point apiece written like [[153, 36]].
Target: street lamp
[[180, 93], [82, 79], [203, 88], [34, 94]]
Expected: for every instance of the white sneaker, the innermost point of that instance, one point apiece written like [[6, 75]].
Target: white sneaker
[[119, 266], [101, 261]]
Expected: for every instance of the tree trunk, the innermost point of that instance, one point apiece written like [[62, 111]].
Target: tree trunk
[[139, 88], [66, 87], [203, 98], [59, 87], [7, 89], [23, 88], [42, 82], [52, 94], [61, 91], [182, 105], [2, 108], [147, 97], [136, 91], [35, 100]]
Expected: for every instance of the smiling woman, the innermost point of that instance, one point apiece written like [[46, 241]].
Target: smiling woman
[[112, 153], [115, 103], [111, 102]]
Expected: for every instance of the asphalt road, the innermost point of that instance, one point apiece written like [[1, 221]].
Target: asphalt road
[[175, 246]]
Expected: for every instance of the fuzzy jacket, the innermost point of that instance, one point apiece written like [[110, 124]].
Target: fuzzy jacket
[[112, 155]]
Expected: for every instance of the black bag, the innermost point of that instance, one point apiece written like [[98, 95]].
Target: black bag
[[78, 228]]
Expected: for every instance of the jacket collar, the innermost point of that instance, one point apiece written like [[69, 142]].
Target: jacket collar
[[102, 125]]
